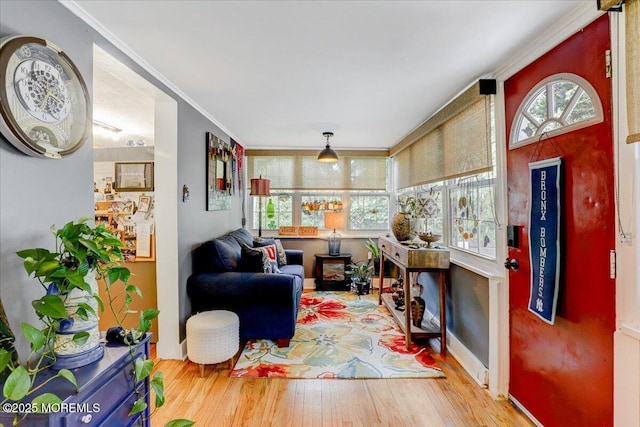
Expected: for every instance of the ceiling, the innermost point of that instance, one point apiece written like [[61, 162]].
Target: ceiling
[[121, 98], [279, 73]]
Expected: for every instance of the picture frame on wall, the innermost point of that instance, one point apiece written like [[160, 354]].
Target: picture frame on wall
[[144, 203], [133, 176], [219, 175]]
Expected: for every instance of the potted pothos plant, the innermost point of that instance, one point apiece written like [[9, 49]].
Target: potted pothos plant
[[83, 254]]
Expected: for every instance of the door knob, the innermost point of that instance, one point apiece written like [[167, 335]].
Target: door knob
[[511, 264]]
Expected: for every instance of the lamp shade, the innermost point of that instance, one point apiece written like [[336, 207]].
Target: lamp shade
[[334, 220], [260, 187], [328, 155]]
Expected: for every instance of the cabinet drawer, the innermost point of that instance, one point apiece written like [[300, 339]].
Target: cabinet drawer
[[117, 416], [414, 258], [397, 253], [109, 396]]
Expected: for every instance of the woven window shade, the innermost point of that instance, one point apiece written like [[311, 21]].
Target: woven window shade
[[466, 148], [304, 172], [454, 142], [402, 169], [632, 25]]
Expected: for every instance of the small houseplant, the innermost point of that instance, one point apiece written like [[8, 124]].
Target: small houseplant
[[82, 251], [361, 273], [372, 246]]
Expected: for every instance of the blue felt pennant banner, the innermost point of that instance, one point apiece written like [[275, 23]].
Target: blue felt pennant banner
[[544, 237]]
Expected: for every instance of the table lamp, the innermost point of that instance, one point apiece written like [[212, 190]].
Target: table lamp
[[334, 220], [260, 188]]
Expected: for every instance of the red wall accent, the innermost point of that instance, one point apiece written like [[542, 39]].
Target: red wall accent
[[563, 373]]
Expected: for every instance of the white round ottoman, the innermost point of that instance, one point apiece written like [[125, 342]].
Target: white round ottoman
[[212, 337]]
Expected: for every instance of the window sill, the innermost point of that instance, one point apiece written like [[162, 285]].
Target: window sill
[[324, 233]]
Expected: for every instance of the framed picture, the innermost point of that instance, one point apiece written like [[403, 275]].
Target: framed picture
[[144, 203], [219, 174], [134, 176]]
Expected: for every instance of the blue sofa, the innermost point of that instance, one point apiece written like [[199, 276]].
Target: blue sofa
[[266, 303]]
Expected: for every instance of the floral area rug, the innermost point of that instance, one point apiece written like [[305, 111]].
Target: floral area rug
[[339, 336]]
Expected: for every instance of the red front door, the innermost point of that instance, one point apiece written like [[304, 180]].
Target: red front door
[[563, 373]]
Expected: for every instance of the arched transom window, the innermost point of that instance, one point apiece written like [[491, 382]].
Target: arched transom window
[[558, 104]]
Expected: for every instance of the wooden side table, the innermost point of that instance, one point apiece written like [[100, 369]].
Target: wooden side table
[[331, 272], [416, 260]]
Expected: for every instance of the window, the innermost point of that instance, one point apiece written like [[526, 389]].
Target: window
[[558, 104], [303, 189], [472, 219], [456, 201], [277, 210], [314, 206], [369, 212]]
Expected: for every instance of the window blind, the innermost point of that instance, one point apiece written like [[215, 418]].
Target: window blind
[[453, 142], [302, 171]]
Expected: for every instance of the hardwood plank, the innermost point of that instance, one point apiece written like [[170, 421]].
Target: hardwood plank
[[219, 401]]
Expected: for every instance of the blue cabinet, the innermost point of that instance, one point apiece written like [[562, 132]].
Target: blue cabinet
[[106, 393]]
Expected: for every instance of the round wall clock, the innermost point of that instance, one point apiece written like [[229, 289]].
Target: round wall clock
[[44, 101]]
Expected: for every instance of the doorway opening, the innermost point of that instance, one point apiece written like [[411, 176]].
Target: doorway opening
[[135, 127]]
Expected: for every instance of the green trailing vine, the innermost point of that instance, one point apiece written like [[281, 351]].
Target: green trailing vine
[[80, 248]]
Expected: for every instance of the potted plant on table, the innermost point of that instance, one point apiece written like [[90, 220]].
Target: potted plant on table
[[69, 335]]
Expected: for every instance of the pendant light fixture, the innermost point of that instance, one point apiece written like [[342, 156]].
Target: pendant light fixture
[[327, 155]]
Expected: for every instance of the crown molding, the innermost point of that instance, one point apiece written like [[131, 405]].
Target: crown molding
[[77, 10]]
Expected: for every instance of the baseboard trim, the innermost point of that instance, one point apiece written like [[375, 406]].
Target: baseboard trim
[[469, 362], [183, 349], [524, 411], [309, 283]]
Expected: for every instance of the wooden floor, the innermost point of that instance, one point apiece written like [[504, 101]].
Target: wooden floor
[[217, 400]]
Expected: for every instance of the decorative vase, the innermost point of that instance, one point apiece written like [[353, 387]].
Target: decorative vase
[[401, 226], [70, 354]]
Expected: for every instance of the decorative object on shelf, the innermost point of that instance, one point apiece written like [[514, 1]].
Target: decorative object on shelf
[[334, 220], [418, 303], [429, 238], [328, 154], [307, 230], [288, 230], [402, 223], [260, 188], [271, 210], [397, 293], [45, 109], [401, 226]]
